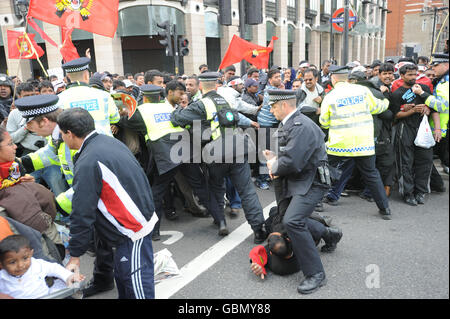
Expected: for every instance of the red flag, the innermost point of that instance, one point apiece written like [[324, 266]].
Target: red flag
[[239, 50], [68, 50], [41, 32], [96, 16], [21, 45]]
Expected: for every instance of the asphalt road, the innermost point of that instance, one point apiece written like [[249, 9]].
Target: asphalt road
[[406, 257]]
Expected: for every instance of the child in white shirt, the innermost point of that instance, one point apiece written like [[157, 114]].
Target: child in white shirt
[[22, 276]]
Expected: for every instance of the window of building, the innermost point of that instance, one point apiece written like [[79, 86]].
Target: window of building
[[292, 10], [424, 24], [271, 9]]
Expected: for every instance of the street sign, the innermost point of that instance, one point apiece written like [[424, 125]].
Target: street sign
[[338, 20]]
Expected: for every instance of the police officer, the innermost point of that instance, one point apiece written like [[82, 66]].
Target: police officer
[[153, 120], [205, 110], [296, 167], [78, 93], [347, 113]]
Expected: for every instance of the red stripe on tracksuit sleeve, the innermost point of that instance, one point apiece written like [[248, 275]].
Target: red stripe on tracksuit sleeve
[[117, 209]]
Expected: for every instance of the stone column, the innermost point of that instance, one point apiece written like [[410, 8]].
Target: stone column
[[108, 54], [314, 47], [194, 22], [325, 46], [299, 36], [54, 57], [280, 49]]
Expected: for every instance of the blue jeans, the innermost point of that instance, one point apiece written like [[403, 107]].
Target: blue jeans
[[53, 177], [232, 194]]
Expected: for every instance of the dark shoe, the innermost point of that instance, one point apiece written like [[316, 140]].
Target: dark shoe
[[319, 207], [331, 237], [223, 230], [262, 185], [171, 215], [365, 197], [330, 201], [385, 213], [312, 283], [410, 200], [260, 236], [156, 235], [234, 212], [198, 211], [420, 198], [91, 289]]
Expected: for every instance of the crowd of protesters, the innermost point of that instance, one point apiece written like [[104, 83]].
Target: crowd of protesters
[[402, 165]]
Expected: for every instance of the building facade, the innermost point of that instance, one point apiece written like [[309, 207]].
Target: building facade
[[410, 26], [303, 28]]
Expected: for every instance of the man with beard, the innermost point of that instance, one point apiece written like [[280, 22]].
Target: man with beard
[[414, 163]]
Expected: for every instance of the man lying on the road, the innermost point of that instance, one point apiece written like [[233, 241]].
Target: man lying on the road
[[278, 255]]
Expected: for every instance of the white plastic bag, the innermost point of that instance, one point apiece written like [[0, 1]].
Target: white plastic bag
[[165, 266], [424, 136]]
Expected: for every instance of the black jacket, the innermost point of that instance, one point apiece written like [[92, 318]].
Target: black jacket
[[301, 150], [111, 193]]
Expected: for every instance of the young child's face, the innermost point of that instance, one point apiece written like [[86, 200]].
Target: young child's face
[[17, 264]]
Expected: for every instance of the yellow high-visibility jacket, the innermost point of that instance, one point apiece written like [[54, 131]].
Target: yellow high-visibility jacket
[[98, 103], [347, 112]]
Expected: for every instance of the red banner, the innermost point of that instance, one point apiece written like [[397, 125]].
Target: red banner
[[239, 50], [68, 50], [96, 16], [22, 46]]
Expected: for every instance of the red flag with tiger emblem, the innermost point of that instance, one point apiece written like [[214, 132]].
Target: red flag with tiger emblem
[[96, 16]]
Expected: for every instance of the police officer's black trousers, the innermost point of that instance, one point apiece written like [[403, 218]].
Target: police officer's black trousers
[[370, 174], [414, 163], [296, 221], [161, 183], [240, 176]]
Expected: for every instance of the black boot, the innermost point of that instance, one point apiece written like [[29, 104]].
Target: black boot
[[312, 283], [331, 237], [223, 230], [156, 235], [260, 236], [93, 288]]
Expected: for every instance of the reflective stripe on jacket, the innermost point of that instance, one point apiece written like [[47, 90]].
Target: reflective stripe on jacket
[[439, 100], [98, 103], [347, 112], [157, 120]]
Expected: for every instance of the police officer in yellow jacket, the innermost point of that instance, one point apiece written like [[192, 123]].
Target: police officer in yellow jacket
[[347, 113], [97, 102], [41, 113], [152, 119], [439, 100], [214, 137]]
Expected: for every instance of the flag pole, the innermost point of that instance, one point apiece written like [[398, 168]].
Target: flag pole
[[36, 54]]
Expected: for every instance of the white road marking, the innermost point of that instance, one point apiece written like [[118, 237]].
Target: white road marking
[[167, 288], [174, 236]]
